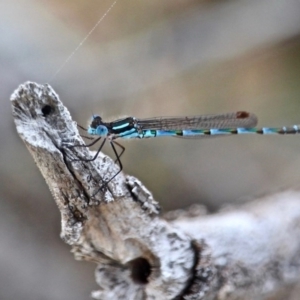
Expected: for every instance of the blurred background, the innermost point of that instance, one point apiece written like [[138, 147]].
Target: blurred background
[[146, 58]]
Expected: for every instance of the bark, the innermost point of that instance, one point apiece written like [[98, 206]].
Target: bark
[[248, 252]]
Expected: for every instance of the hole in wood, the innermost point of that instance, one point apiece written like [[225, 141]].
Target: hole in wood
[[46, 110], [140, 270]]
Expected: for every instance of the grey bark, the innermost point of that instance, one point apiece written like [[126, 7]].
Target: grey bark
[[248, 252]]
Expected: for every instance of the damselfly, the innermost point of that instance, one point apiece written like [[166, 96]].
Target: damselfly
[[189, 127]]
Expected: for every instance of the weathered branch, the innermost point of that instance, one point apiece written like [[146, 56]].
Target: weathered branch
[[249, 253]]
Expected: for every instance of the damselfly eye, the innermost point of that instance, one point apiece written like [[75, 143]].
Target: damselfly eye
[[102, 130]]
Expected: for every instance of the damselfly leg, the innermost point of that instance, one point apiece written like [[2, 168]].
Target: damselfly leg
[[94, 141], [105, 183], [81, 127], [118, 156], [84, 136], [113, 146], [117, 160]]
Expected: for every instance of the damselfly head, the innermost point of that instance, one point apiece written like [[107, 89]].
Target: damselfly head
[[95, 117], [97, 127], [96, 121], [100, 130]]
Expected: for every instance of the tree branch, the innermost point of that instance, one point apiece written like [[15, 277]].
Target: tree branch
[[251, 252]]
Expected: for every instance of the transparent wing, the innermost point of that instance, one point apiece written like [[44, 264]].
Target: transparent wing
[[227, 120]]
